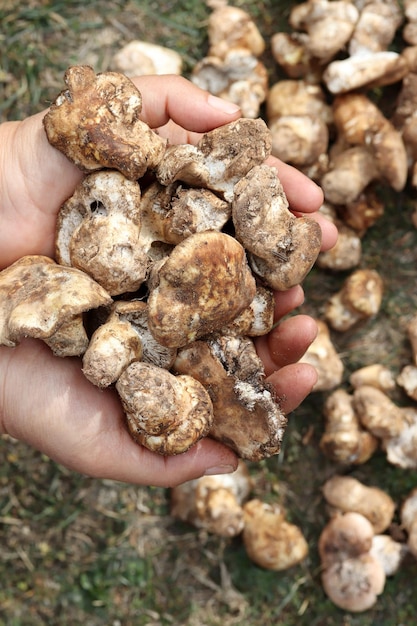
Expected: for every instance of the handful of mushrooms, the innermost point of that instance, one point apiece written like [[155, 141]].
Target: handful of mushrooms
[[175, 250]]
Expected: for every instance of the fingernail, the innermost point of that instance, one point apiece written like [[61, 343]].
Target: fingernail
[[223, 105], [219, 469]]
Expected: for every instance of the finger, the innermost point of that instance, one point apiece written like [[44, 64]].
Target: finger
[[286, 343], [174, 97], [287, 301], [83, 428], [292, 384]]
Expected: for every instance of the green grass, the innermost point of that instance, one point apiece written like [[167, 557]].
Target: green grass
[[82, 551]]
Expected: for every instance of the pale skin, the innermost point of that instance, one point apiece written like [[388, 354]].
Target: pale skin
[[46, 401]]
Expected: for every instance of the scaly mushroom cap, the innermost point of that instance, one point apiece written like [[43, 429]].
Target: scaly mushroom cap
[[246, 416], [270, 541], [165, 413], [98, 231], [41, 298], [220, 159], [282, 248], [174, 212], [95, 123], [201, 287]]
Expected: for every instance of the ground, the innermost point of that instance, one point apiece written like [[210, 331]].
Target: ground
[[83, 551]]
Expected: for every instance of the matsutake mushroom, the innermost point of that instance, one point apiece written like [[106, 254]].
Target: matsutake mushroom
[[282, 248], [96, 123], [165, 413], [44, 300], [214, 503], [247, 417], [220, 159], [270, 540], [345, 493], [344, 440], [122, 339], [199, 289]]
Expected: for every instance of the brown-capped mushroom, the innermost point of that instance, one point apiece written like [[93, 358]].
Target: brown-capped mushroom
[[352, 577], [122, 339], [214, 503], [376, 375], [200, 288], [376, 27], [359, 122], [165, 413], [174, 212], [239, 77], [282, 248], [44, 300], [345, 493], [358, 300], [220, 159], [344, 440], [96, 123], [247, 417], [269, 539], [231, 27], [98, 231], [329, 25]]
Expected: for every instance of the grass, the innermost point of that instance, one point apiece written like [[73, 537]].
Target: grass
[[83, 551]]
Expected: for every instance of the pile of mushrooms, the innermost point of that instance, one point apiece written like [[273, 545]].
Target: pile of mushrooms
[[222, 505], [175, 250]]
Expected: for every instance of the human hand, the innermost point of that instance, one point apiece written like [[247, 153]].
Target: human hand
[[61, 413]]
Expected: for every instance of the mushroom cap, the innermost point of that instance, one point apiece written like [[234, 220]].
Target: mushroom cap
[[322, 355], [201, 287], [98, 231], [270, 541], [165, 413], [96, 123], [247, 417], [346, 536], [282, 248], [354, 584], [39, 296], [346, 493], [232, 27], [220, 159]]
